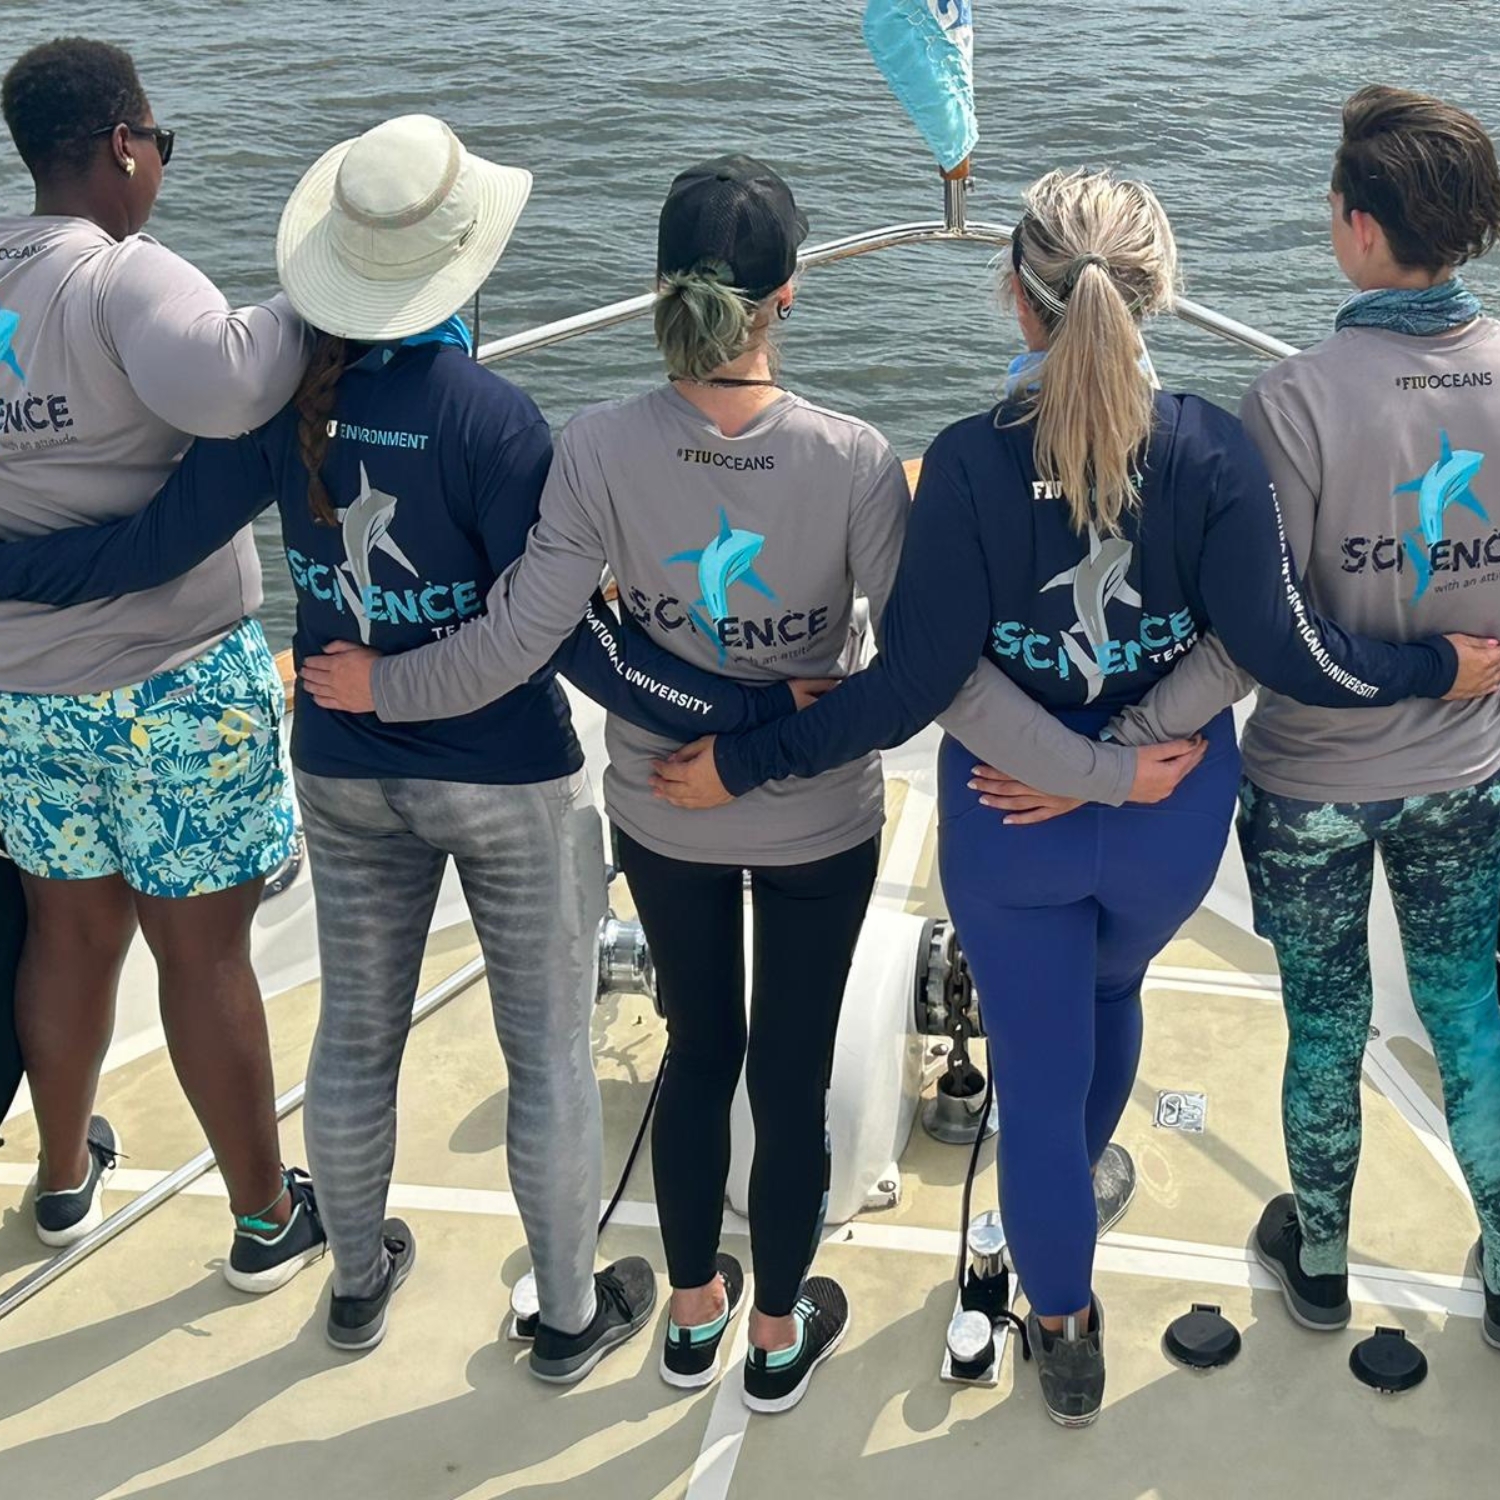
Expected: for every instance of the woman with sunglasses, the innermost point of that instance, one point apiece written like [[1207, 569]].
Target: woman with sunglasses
[[141, 776]]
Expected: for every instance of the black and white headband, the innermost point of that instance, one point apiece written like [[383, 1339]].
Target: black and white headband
[[1044, 296]]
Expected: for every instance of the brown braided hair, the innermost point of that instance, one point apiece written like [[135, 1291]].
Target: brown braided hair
[[314, 402]]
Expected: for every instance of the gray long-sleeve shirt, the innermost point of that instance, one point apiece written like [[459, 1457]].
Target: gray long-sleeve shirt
[[741, 555], [112, 355], [1379, 446]]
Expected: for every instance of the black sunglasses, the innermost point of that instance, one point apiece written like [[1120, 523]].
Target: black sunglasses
[[165, 139]]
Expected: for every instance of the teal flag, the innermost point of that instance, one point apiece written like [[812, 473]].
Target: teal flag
[[925, 49]]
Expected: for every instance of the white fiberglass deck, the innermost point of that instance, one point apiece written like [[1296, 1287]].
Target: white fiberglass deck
[[141, 1373]]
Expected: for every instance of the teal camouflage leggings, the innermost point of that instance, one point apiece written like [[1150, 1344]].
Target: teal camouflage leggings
[[1311, 866]]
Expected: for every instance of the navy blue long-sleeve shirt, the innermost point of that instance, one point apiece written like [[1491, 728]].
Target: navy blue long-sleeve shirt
[[436, 468], [992, 566]]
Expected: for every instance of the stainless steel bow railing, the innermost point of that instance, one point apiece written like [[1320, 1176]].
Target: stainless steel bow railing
[[952, 229]]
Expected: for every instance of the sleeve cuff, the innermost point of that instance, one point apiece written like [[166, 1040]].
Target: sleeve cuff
[[729, 763], [1122, 765], [378, 685], [1446, 669], [775, 702]]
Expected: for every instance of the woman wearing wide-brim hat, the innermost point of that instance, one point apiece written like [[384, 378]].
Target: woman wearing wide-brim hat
[[407, 478], [737, 518]]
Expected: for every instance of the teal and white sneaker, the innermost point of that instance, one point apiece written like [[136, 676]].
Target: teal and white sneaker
[[63, 1218], [777, 1381], [265, 1256], [690, 1356]]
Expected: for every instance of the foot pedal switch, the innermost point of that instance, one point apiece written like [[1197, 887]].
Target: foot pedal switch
[[1203, 1339], [1388, 1362], [972, 1358], [525, 1311], [980, 1325]]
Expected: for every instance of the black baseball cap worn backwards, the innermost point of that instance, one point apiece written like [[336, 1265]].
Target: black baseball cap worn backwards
[[737, 211]]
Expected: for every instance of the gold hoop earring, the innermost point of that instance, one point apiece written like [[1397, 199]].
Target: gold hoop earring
[[130, 166]]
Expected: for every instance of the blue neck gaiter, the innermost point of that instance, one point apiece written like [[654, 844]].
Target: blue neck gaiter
[[1422, 311], [455, 331]]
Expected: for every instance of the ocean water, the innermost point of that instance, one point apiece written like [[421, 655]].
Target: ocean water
[[1228, 107]]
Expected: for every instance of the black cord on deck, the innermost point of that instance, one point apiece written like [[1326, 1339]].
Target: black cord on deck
[[640, 1136], [984, 1119]]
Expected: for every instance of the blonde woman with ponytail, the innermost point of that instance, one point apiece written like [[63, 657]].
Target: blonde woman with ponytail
[[1081, 536]]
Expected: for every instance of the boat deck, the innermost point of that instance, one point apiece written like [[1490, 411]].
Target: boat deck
[[142, 1373]]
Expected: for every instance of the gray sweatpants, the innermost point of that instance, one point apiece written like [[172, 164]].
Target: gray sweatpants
[[531, 861]]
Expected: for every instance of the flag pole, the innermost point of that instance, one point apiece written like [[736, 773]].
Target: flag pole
[[955, 189]]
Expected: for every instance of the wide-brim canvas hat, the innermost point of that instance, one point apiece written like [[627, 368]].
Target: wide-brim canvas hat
[[393, 232]]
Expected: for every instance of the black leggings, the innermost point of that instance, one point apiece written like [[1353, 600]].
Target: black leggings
[[807, 920]]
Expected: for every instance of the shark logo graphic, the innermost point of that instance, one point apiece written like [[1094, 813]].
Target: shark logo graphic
[[9, 323], [1445, 483], [1098, 580], [367, 529], [728, 559]]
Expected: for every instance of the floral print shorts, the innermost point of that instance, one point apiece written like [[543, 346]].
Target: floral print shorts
[[178, 783]]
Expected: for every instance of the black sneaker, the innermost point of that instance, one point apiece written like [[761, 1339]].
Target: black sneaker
[[1070, 1365], [1114, 1186], [1491, 1325], [1317, 1302], [625, 1296], [690, 1356], [358, 1323], [823, 1312], [262, 1262], [64, 1218]]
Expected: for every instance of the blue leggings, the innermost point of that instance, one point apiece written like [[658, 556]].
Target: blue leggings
[[1059, 921]]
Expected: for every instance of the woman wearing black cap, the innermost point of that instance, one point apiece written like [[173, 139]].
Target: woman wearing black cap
[[738, 519]]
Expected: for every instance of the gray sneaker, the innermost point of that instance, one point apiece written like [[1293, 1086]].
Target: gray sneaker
[[1114, 1186], [625, 1298], [1070, 1365], [1491, 1325], [358, 1323]]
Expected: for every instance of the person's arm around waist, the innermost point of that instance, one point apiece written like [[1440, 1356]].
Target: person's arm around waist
[[214, 493], [203, 367], [1252, 590], [1194, 693], [1001, 724], [533, 607], [932, 633], [623, 669]]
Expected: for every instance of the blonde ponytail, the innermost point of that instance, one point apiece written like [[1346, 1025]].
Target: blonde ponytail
[[1095, 255], [703, 323]]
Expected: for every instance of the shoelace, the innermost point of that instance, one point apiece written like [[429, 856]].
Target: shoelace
[[612, 1289], [300, 1186], [107, 1156]]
